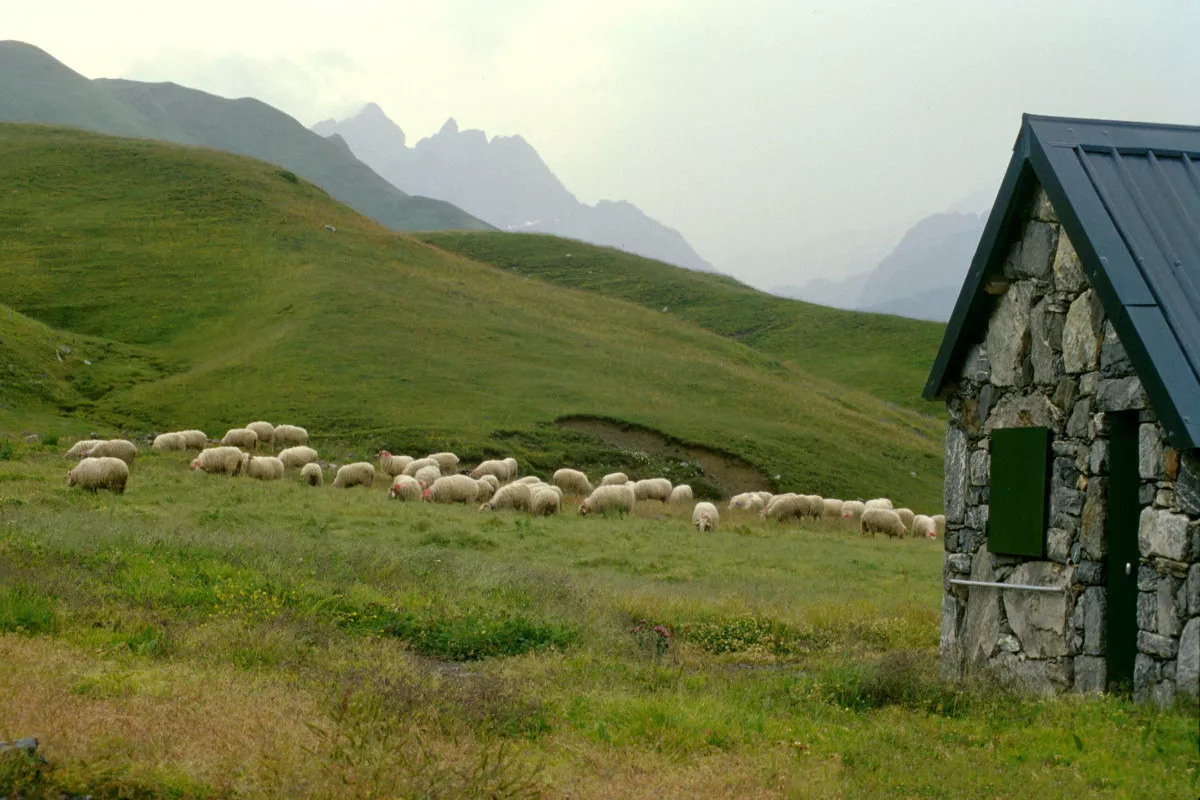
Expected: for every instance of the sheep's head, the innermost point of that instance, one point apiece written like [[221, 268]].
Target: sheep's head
[[584, 507], [196, 463], [931, 534], [705, 522], [426, 493], [71, 477], [384, 454]]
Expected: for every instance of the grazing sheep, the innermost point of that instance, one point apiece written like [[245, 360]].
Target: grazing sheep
[[906, 516], [224, 460], [572, 481], [486, 489], [452, 489], [608, 498], [786, 506], [653, 489], [411, 467], [496, 468], [405, 487], [169, 443], [748, 501], [80, 448], [882, 520], [816, 506], [265, 432], [939, 522], [831, 509], [240, 437], [447, 462], [265, 468], [290, 436], [545, 500], [490, 480], [297, 456], [924, 526], [681, 494], [529, 480], [614, 479], [391, 465], [360, 473], [853, 510], [196, 440], [114, 448], [511, 495], [427, 475], [311, 474], [705, 517], [764, 496], [94, 474], [511, 464], [879, 502]]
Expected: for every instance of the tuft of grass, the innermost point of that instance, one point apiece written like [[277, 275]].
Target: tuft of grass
[[25, 609], [472, 636]]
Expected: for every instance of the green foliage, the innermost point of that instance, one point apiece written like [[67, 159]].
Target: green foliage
[[25, 609], [472, 636]]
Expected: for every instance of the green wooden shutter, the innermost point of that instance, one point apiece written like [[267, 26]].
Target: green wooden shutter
[[1017, 501]]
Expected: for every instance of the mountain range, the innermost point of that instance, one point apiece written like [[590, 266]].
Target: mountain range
[[35, 87], [920, 277], [503, 181]]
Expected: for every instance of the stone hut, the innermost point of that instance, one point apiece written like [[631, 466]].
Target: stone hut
[[1070, 373]]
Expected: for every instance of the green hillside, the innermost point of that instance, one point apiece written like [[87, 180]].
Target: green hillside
[[34, 87], [886, 355], [221, 267]]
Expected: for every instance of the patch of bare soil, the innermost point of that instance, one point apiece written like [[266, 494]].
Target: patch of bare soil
[[726, 471]]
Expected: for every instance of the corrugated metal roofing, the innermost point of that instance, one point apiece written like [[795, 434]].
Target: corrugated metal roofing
[[1128, 196]]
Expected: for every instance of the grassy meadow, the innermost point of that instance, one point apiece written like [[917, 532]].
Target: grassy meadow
[[203, 636]]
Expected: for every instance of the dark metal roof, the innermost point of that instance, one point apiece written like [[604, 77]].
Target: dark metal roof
[[1128, 196]]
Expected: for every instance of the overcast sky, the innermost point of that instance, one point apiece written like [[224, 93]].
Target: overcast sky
[[776, 136]]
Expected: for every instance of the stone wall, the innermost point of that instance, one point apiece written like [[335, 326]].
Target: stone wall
[[1050, 358]]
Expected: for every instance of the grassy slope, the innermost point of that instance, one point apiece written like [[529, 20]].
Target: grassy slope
[[34, 87], [886, 355], [211, 637], [221, 265]]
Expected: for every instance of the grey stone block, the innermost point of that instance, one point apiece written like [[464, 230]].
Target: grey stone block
[[1146, 672], [1114, 362], [979, 467], [1081, 340], [1157, 645], [1166, 615], [1095, 605], [1008, 338], [1098, 457], [1162, 533], [1163, 694], [1023, 411], [1187, 669], [1147, 580], [959, 563], [1091, 674], [1068, 272], [1147, 611], [1150, 451], [1058, 545], [1039, 619], [1146, 493], [1120, 394], [1187, 486], [955, 481], [1193, 590], [1090, 573], [1081, 414]]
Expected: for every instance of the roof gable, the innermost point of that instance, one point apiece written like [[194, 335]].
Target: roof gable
[[1128, 197]]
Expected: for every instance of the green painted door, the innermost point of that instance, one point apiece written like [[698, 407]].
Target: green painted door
[[1122, 532]]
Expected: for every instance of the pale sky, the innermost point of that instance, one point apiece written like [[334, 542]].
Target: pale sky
[[767, 132]]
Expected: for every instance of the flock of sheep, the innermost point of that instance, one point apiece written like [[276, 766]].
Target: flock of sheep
[[494, 484]]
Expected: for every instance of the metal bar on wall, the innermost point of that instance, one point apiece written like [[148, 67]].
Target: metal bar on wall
[[1019, 586]]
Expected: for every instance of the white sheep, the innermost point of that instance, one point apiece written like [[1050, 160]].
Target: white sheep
[[906, 516], [572, 481], [653, 489], [816, 506], [882, 520], [452, 489], [494, 467], [705, 517], [104, 472], [265, 432], [511, 495], [196, 440], [114, 448], [511, 464], [490, 480], [939, 521], [880, 502], [608, 498], [529, 480], [240, 437], [405, 487], [265, 468], [831, 508], [223, 459], [764, 496], [748, 501], [853, 510], [420, 463], [80, 448], [169, 443], [427, 474], [486, 489], [391, 465], [297, 456], [447, 462], [924, 526], [545, 500], [681, 494], [786, 506], [614, 479], [311, 474], [290, 436], [360, 473]]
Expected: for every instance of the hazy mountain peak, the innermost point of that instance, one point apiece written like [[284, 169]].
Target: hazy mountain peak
[[450, 128]]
